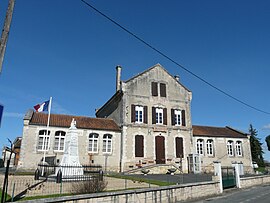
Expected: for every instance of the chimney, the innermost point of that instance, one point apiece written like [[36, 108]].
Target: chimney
[[177, 77], [118, 77]]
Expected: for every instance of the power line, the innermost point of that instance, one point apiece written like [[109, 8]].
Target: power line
[[172, 60]]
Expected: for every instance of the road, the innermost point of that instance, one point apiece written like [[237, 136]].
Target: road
[[258, 194]]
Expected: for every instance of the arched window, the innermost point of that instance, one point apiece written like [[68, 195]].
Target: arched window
[[209, 148], [139, 152], [59, 140], [93, 143], [107, 143], [200, 146], [43, 140], [238, 148], [230, 148]]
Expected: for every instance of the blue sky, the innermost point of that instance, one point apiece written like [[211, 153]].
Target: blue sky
[[67, 51]]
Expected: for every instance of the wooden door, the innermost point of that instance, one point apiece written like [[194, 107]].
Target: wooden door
[[160, 150]]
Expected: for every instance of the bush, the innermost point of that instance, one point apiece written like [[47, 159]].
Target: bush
[[89, 186]]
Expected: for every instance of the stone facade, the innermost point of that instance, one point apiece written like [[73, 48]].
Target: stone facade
[[32, 153], [153, 92], [149, 121], [153, 111]]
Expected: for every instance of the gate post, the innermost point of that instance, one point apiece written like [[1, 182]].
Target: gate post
[[237, 174], [218, 172]]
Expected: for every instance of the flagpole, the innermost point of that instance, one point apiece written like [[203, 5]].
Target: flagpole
[[47, 136]]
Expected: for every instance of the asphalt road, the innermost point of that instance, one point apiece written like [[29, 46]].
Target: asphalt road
[[258, 194]]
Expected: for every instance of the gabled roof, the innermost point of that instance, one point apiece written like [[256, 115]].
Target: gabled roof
[[149, 69], [59, 120], [113, 102], [209, 131]]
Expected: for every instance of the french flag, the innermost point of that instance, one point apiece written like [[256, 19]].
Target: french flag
[[42, 107]]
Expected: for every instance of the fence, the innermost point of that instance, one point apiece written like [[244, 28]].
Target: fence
[[69, 172]]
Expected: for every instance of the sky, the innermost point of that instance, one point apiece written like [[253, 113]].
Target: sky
[[65, 50]]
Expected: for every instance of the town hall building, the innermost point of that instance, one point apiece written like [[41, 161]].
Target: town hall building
[[146, 122]]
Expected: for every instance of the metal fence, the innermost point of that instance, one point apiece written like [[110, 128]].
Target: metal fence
[[69, 172]]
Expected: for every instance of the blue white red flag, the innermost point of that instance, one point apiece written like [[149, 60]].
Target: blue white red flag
[[42, 107]]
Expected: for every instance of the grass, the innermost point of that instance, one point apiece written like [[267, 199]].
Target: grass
[[133, 178], [44, 196], [7, 195], [261, 170]]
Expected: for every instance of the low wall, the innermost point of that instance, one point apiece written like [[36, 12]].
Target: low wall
[[254, 180], [149, 195]]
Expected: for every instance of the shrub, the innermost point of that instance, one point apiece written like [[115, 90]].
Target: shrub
[[88, 186]]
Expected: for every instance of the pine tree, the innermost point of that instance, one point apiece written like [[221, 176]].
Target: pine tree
[[267, 140], [256, 147]]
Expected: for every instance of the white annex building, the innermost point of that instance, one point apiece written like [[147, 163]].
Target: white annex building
[[146, 122]]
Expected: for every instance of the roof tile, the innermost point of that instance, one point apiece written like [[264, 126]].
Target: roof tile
[[59, 120], [217, 132]]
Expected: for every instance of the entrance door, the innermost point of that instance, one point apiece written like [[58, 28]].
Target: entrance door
[[160, 150]]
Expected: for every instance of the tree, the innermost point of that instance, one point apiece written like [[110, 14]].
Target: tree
[[256, 147], [267, 140]]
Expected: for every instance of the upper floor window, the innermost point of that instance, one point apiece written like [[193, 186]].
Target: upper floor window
[[93, 143], [159, 115], [138, 114], [230, 148], [107, 143], [43, 140], [178, 117], [139, 146], [162, 89], [209, 148], [154, 87], [59, 141], [199, 146], [238, 148]]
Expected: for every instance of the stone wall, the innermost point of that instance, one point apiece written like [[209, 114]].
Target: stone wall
[[255, 180], [160, 194]]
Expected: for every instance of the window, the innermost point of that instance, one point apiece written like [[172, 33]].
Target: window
[[159, 116], [154, 86], [107, 143], [138, 114], [162, 89], [238, 148], [230, 148], [139, 146], [93, 143], [209, 148], [59, 141], [200, 146], [43, 140], [178, 117], [179, 147]]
